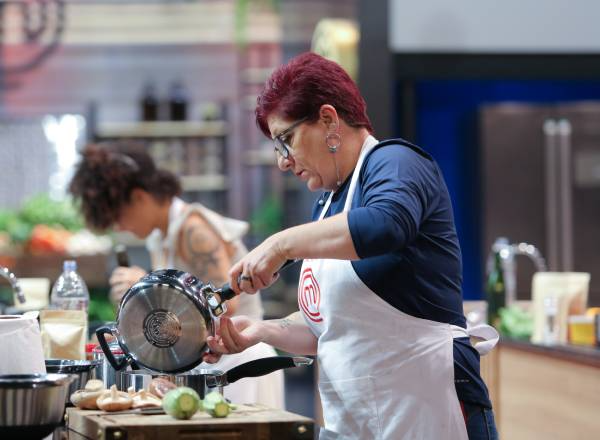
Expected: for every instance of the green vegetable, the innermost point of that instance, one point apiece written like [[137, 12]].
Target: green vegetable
[[216, 405], [516, 323], [41, 209], [181, 403]]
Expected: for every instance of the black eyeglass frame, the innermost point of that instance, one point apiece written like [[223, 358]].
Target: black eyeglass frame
[[281, 146]]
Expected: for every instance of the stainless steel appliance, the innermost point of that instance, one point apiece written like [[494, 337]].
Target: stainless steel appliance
[[163, 321], [540, 179]]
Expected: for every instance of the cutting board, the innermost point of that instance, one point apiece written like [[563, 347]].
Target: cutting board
[[248, 422]]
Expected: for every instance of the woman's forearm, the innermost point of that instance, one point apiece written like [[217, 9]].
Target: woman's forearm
[[328, 238], [290, 334]]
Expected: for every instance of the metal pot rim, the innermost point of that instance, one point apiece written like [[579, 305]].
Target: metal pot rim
[[34, 380], [69, 366], [198, 372]]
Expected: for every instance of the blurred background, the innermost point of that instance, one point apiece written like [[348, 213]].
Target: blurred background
[[506, 98]]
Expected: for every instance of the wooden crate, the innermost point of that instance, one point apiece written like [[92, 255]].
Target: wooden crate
[[248, 422]]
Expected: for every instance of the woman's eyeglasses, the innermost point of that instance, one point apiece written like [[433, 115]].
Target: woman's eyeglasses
[[280, 141]]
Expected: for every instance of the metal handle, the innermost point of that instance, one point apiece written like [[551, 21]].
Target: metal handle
[[553, 214], [100, 332], [565, 195]]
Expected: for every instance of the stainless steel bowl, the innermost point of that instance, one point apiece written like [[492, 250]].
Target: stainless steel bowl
[[81, 370], [31, 405]]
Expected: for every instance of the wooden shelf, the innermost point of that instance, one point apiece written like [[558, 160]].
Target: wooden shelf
[[260, 157], [208, 182], [162, 129]]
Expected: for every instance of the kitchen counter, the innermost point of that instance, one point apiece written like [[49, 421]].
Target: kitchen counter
[[549, 392], [248, 422]]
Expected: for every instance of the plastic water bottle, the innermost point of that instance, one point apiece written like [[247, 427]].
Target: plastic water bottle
[[69, 291]]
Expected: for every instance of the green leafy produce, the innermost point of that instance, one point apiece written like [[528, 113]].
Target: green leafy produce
[[216, 405], [41, 209], [181, 403], [516, 323]]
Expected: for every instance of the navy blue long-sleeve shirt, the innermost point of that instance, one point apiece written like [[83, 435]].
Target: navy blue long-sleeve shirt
[[402, 227]]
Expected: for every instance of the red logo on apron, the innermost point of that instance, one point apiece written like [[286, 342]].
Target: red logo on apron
[[309, 295]]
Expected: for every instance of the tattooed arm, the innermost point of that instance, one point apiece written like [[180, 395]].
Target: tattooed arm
[[236, 334], [206, 253]]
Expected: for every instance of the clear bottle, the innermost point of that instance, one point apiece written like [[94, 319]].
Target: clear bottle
[[70, 291], [551, 330]]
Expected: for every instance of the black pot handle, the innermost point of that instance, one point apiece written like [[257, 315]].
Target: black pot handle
[[100, 332], [227, 293], [261, 367]]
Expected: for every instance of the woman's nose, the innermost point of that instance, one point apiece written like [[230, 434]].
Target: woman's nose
[[283, 163]]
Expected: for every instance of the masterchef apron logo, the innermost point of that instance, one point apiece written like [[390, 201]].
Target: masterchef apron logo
[[309, 295]]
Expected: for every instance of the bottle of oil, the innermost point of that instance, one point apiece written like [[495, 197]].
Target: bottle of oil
[[495, 290], [149, 103]]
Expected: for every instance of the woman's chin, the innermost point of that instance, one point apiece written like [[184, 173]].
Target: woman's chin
[[314, 185]]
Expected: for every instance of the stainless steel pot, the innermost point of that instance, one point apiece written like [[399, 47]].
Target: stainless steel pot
[[105, 371], [204, 381], [31, 405], [163, 321], [82, 371]]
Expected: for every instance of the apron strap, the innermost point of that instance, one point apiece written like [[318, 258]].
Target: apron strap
[[487, 334]]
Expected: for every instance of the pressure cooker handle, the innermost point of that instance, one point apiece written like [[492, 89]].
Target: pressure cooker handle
[[100, 332], [261, 367], [226, 292]]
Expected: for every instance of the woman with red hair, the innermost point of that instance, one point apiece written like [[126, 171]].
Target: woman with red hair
[[380, 288]]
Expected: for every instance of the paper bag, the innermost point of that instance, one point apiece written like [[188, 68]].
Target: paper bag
[[64, 333]]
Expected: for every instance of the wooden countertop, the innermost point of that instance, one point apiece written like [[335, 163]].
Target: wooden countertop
[[589, 356], [247, 422]]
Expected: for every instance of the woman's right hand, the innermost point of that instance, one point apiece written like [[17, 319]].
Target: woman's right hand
[[234, 335]]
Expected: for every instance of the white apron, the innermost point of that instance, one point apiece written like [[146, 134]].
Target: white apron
[[267, 390], [383, 374]]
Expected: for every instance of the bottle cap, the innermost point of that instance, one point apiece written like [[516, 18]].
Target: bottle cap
[[70, 265]]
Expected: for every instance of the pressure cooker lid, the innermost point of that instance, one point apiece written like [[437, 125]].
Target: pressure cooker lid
[[163, 327]]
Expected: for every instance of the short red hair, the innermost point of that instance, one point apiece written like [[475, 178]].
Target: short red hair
[[299, 88]]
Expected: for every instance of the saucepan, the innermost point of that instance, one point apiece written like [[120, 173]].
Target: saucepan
[[81, 371], [164, 320], [32, 405], [204, 381]]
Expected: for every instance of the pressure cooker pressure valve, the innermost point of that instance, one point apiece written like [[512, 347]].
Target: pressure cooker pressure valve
[[216, 298]]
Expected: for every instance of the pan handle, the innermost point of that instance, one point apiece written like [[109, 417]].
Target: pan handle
[[100, 332], [261, 367]]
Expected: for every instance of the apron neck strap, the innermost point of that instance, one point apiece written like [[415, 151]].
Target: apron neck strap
[[369, 143]]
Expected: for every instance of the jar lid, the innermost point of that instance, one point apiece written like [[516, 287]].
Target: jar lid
[[114, 349]]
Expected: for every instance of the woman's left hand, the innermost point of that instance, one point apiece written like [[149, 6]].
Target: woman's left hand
[[258, 269], [234, 335]]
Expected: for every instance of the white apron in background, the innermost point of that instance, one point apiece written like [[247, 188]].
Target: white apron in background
[[383, 374], [269, 389]]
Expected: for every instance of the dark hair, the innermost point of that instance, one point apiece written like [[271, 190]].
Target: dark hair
[[299, 88], [106, 176]]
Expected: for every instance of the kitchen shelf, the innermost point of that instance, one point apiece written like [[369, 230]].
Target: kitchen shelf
[[206, 182], [162, 129]]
